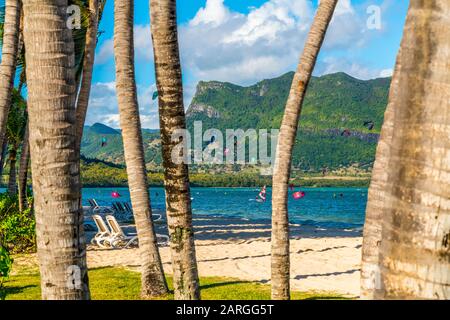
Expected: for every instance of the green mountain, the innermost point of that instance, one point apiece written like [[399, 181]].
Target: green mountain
[[332, 132]]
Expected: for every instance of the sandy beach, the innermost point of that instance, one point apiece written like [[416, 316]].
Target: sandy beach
[[321, 259]]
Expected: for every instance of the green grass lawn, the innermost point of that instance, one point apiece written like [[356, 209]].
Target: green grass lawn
[[122, 284]]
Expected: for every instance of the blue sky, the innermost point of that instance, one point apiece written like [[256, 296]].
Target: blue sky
[[245, 41]]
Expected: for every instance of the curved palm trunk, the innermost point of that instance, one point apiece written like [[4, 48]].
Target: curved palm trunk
[[12, 181], [54, 159], [9, 60], [280, 264], [415, 247], [176, 176], [23, 170], [153, 280], [88, 66]]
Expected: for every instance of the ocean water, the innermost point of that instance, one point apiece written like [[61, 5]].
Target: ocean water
[[342, 208]]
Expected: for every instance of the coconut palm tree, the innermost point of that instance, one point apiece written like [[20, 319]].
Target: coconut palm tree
[[15, 129], [54, 158], [176, 175], [370, 271], [414, 255], [9, 60], [24, 163], [95, 11], [91, 13], [152, 274], [288, 131]]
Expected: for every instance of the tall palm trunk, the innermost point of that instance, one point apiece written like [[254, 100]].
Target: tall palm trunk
[[88, 65], [3, 156], [54, 158], [12, 181], [152, 274], [288, 131], [414, 252], [9, 60], [23, 170], [25, 155], [176, 176]]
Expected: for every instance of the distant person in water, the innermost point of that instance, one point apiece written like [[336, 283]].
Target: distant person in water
[[104, 142], [341, 195]]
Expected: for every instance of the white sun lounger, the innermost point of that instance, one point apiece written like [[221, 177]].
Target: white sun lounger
[[120, 239], [103, 236]]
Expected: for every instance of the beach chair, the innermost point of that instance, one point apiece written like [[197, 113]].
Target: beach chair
[[103, 236], [121, 240], [129, 209], [115, 207], [120, 212], [96, 208]]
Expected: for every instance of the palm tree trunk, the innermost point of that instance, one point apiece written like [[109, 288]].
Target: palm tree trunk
[[280, 222], [176, 176], [152, 274], [88, 65], [23, 170], [414, 252], [9, 60], [54, 159], [12, 181], [3, 156]]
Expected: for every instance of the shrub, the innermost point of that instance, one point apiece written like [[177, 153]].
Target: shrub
[[5, 268], [17, 229]]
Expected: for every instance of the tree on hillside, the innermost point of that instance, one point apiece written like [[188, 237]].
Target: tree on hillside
[[152, 274], [176, 176], [288, 131], [407, 256], [54, 159]]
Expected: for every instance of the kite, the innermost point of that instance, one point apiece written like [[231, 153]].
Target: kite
[[155, 95], [298, 195], [115, 194]]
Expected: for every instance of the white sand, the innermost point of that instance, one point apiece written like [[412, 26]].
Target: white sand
[[321, 260]]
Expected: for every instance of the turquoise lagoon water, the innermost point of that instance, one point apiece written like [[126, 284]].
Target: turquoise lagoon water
[[322, 207]]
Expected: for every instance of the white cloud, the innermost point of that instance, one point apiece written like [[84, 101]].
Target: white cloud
[[214, 13], [106, 52], [143, 48], [220, 44], [386, 73], [103, 106], [265, 43], [356, 70]]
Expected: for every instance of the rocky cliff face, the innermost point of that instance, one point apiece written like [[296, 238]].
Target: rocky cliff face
[[209, 111]]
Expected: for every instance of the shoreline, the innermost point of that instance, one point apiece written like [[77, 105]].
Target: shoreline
[[322, 260]]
